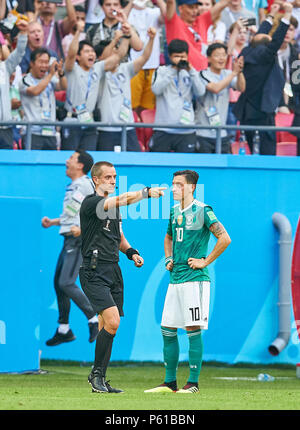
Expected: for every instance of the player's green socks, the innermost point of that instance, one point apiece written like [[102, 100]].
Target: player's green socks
[[171, 352], [195, 354]]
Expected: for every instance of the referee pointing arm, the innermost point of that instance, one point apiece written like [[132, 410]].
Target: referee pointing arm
[[100, 274]]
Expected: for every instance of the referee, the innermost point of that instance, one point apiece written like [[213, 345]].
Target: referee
[[100, 275], [78, 165]]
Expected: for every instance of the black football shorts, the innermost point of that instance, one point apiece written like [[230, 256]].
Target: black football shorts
[[103, 286]]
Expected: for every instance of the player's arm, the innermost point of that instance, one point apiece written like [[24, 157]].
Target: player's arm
[[223, 240], [131, 253], [131, 197], [168, 252]]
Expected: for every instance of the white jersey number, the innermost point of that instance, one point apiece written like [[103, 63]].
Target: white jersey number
[[179, 234]]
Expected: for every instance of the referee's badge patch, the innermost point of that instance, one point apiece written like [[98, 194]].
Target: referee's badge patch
[[179, 219]]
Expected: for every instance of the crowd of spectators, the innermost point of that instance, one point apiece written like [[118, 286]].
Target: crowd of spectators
[[191, 62]]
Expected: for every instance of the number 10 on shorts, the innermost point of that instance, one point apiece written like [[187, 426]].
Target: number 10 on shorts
[[195, 314]]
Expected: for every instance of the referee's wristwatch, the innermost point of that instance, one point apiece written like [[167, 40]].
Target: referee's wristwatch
[[145, 192]]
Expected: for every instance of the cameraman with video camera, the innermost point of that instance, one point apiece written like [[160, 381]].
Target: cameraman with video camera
[[175, 86]]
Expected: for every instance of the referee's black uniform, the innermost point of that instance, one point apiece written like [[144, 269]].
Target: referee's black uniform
[[100, 274]]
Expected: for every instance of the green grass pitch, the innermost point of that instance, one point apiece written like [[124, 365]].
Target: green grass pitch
[[65, 387]]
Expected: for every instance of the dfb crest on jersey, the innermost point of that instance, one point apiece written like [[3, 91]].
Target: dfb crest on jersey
[[179, 219]]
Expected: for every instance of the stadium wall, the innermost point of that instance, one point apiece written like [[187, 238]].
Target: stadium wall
[[244, 192]]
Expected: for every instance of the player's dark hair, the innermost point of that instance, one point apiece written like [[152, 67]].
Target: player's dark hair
[[177, 46], [215, 46], [190, 175], [86, 159], [96, 169], [37, 53], [81, 45]]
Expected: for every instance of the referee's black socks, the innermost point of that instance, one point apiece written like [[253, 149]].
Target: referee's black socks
[[103, 349]]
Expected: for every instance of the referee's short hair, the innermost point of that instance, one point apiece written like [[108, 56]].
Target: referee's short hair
[[86, 159], [190, 175], [97, 167]]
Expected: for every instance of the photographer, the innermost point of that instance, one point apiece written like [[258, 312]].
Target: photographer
[[7, 68], [175, 86], [38, 99]]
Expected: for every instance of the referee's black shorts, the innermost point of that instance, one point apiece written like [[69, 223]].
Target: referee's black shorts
[[103, 286]]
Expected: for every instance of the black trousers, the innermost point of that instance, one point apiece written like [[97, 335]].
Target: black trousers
[[107, 140], [74, 138], [207, 145], [40, 142], [66, 273], [6, 138], [267, 138], [166, 142]]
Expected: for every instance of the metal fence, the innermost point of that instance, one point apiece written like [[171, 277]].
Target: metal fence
[[124, 127]]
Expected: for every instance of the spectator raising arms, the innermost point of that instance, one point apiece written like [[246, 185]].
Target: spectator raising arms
[[114, 18], [83, 75], [212, 107], [7, 68], [264, 80], [216, 31], [143, 17], [80, 18], [233, 12], [192, 27], [35, 40], [38, 99], [115, 99], [55, 31]]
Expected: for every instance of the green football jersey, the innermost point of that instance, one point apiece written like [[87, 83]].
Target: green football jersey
[[189, 229]]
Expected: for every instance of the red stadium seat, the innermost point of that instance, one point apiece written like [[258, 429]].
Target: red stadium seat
[[284, 120], [286, 148], [139, 132], [148, 116]]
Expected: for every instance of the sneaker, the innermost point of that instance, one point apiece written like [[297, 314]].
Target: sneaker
[[93, 328], [111, 389], [166, 387], [189, 388], [59, 338], [97, 381]]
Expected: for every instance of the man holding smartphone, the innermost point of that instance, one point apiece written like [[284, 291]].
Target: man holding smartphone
[[233, 12]]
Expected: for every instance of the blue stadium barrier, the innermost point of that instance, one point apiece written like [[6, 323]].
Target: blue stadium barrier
[[244, 192]]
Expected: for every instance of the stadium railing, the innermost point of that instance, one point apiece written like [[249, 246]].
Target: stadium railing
[[124, 127]]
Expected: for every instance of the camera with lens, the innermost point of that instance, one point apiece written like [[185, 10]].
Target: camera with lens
[[183, 65]]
